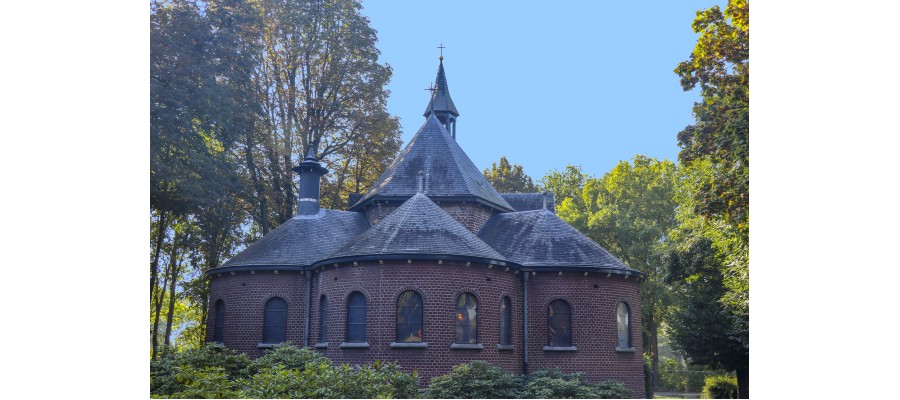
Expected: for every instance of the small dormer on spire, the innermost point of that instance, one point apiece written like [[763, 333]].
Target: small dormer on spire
[[440, 103]]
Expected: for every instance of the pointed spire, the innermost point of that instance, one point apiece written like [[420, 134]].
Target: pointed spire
[[440, 100]]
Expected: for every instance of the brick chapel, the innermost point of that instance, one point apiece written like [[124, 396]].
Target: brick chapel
[[432, 268]]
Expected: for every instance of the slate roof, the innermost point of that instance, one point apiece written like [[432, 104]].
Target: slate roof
[[450, 172], [418, 227], [302, 240], [540, 239], [527, 201], [440, 97]]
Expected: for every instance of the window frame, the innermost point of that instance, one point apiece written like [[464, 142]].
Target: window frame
[[268, 324], [412, 302], [219, 323], [552, 315], [323, 319], [471, 320], [361, 304], [627, 326], [505, 321]]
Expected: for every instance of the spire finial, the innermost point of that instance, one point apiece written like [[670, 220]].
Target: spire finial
[[310, 155], [442, 51], [431, 88]]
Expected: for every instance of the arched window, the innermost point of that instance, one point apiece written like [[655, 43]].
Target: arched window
[[505, 321], [559, 324], [624, 324], [323, 319], [356, 318], [466, 319], [218, 332], [275, 321], [409, 317]]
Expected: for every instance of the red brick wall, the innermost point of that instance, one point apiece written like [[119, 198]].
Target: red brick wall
[[470, 215], [594, 330], [593, 315], [245, 297]]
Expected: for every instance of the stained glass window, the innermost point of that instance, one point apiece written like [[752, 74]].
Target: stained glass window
[[275, 321], [622, 320], [356, 318], [466, 319], [505, 320], [218, 332], [409, 317], [559, 324]]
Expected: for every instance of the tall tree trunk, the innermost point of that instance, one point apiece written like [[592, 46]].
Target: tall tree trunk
[[173, 279], [158, 306], [654, 348], [161, 227], [743, 380], [263, 211]]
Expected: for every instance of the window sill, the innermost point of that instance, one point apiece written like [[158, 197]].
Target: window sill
[[625, 349], [502, 347], [409, 345], [466, 346], [266, 345], [560, 348], [363, 345], [321, 345]]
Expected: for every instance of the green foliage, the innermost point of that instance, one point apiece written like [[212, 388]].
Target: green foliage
[[566, 185], [283, 372], [648, 376], [475, 380], [509, 178], [288, 356], [676, 377], [720, 387], [175, 371], [554, 384], [717, 144], [613, 390]]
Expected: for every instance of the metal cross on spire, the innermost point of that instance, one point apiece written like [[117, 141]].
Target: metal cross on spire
[[431, 88], [442, 50]]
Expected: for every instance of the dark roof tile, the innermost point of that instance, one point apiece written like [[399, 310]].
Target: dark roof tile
[[449, 171], [418, 227], [302, 240], [539, 238]]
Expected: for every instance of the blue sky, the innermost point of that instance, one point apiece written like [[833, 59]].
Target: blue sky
[[546, 84]]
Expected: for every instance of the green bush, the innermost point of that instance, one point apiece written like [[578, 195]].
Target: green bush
[[475, 380], [720, 387], [613, 390], [193, 364], [554, 384], [289, 357], [283, 372]]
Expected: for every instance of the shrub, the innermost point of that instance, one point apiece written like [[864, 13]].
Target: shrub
[[475, 380], [554, 384], [720, 387], [648, 376], [613, 390], [283, 372], [288, 356], [193, 364]]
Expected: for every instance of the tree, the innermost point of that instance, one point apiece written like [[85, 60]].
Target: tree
[[509, 178], [703, 326], [720, 135], [630, 210], [566, 185], [320, 86]]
